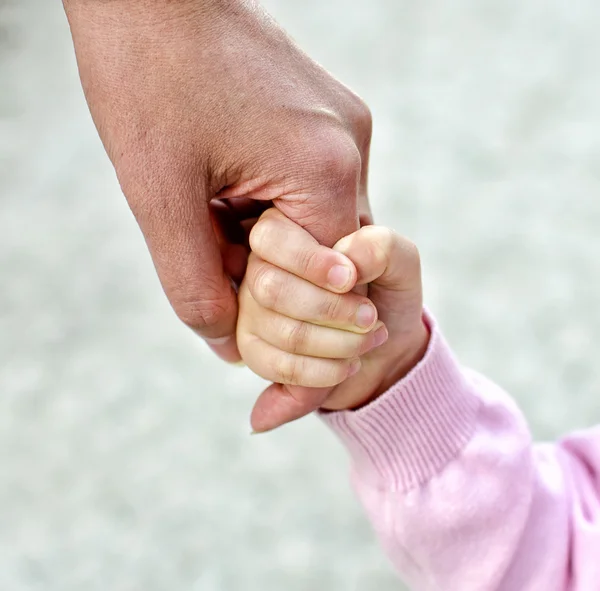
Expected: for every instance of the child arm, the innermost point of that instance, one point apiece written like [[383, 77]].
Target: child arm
[[460, 497]]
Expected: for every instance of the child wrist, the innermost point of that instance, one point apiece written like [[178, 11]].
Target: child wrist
[[398, 366]]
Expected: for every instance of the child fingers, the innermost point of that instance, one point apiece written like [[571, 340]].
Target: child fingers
[[282, 367], [282, 292], [279, 241], [303, 338], [383, 257]]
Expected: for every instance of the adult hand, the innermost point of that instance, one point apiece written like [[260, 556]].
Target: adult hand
[[202, 99]]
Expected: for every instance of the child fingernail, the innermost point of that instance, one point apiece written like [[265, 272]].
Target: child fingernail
[[354, 368], [365, 315], [339, 276], [380, 336]]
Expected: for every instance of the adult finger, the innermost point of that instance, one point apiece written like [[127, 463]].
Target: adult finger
[[179, 232], [279, 404]]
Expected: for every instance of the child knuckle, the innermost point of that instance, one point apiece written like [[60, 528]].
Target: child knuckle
[[349, 344], [382, 240], [267, 287], [338, 372], [409, 254], [413, 253], [307, 261], [332, 307], [359, 345], [296, 336], [280, 371], [258, 234]]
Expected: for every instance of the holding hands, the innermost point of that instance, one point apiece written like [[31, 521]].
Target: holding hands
[[302, 327]]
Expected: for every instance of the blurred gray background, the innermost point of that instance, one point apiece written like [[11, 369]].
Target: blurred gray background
[[125, 457]]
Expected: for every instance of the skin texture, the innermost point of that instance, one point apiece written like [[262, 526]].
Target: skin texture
[[203, 100], [313, 346]]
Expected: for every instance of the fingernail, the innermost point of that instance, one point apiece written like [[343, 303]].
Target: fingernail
[[354, 368], [259, 432], [380, 336], [225, 348], [339, 276], [218, 341], [365, 315]]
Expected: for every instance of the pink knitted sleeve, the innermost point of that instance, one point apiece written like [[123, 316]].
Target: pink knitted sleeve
[[460, 497]]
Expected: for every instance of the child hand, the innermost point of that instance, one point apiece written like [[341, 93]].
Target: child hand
[[321, 348]]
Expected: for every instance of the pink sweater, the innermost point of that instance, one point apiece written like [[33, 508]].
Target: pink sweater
[[460, 497]]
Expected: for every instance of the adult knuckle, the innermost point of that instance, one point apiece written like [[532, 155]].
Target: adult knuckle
[[341, 162], [201, 314], [361, 119], [364, 118], [331, 154], [353, 109]]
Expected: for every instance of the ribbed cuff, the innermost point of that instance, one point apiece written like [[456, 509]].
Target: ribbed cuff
[[412, 431]]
